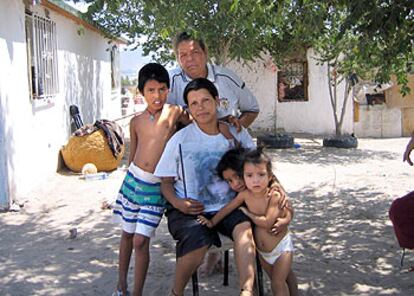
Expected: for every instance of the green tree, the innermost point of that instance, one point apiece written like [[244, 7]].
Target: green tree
[[233, 30], [371, 39]]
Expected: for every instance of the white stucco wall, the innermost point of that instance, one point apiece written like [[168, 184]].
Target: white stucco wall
[[262, 81], [378, 121], [36, 132], [13, 87], [314, 116]]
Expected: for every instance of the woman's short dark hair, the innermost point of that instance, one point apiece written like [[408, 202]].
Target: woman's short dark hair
[[152, 71], [200, 83]]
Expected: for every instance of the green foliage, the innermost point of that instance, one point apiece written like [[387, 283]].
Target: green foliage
[[371, 38], [233, 30]]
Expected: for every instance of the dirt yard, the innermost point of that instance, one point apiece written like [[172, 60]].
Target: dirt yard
[[344, 241]]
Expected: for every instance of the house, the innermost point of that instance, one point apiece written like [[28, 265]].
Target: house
[[51, 57], [296, 99], [387, 113]]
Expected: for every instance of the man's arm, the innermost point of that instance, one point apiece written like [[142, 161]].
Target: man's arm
[[410, 147], [185, 205], [247, 118]]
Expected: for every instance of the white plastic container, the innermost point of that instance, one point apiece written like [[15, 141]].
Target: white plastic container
[[97, 176]]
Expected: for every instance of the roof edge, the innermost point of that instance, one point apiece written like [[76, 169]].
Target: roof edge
[[80, 18]]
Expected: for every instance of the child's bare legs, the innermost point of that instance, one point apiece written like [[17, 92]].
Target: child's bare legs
[[141, 248], [125, 251], [185, 266], [245, 254], [292, 283], [278, 273]]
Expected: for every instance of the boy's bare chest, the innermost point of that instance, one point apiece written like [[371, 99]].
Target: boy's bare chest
[[157, 128]]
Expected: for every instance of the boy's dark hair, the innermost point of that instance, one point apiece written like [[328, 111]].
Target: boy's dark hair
[[200, 83], [152, 71], [184, 36], [232, 159]]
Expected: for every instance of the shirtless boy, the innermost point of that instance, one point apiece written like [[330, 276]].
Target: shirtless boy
[[139, 205]]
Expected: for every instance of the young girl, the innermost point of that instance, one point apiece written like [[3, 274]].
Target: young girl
[[275, 250]]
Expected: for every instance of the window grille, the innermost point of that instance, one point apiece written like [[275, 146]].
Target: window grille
[[42, 56]]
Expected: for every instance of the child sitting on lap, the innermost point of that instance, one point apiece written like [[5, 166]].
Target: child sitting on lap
[[275, 250]]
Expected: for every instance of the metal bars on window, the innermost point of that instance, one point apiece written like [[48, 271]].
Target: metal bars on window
[[42, 56]]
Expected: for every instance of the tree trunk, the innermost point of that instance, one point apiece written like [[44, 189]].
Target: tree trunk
[[347, 91], [333, 99]]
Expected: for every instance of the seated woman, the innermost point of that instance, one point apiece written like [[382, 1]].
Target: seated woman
[[191, 186]]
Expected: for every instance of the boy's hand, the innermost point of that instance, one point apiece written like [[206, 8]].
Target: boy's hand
[[234, 121], [225, 130], [189, 206], [204, 221], [408, 150], [280, 225]]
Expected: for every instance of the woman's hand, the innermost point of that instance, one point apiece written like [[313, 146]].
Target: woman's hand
[[280, 226], [189, 206], [276, 189]]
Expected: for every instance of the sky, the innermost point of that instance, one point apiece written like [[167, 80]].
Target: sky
[[131, 62]]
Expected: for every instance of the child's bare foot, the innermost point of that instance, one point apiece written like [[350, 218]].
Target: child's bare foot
[[212, 264], [106, 205]]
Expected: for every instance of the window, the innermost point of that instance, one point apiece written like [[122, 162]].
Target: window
[[42, 56], [115, 74], [375, 99], [292, 82]]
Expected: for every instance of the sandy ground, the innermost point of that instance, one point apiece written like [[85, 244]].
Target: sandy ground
[[344, 241]]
